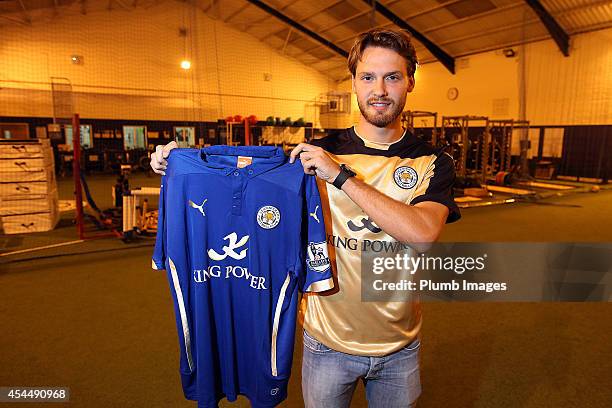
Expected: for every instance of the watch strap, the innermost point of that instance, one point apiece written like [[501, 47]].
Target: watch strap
[[342, 177]]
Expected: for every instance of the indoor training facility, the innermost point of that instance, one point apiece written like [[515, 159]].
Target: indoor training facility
[[517, 92]]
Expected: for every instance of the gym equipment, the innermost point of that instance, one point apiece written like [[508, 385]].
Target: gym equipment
[[252, 120], [503, 178], [548, 186], [238, 126], [509, 190], [501, 144], [424, 132], [476, 192], [185, 136], [522, 126], [469, 147], [272, 132], [136, 217], [467, 199]]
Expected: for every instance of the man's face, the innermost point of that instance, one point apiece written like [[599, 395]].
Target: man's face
[[381, 83]]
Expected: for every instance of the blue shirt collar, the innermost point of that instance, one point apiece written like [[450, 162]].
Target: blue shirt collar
[[264, 158]]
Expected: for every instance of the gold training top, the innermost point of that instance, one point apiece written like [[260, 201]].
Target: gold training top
[[410, 171]]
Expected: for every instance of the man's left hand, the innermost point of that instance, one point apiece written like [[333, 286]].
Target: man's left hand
[[315, 161]]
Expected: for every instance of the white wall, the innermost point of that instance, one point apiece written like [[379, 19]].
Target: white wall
[[574, 90], [131, 68], [489, 79]]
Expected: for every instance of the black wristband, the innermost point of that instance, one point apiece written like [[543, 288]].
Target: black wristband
[[342, 176]]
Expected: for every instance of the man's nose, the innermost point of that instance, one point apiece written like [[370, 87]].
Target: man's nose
[[379, 88]]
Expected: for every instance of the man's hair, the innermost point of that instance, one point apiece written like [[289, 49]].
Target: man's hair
[[397, 41]]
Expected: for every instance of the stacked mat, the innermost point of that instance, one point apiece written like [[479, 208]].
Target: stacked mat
[[28, 189]]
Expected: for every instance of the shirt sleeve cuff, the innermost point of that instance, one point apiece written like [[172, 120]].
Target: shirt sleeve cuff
[[158, 266], [321, 286]]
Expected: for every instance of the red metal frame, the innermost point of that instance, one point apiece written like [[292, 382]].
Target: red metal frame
[[247, 132]]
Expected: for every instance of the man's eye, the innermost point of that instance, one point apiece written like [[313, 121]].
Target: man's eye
[[393, 77], [366, 78]]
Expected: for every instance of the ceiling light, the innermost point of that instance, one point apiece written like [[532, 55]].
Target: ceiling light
[[509, 53]]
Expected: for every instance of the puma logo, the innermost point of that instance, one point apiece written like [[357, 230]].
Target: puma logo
[[198, 207], [314, 214]]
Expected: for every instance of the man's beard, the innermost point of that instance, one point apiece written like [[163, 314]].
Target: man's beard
[[378, 119]]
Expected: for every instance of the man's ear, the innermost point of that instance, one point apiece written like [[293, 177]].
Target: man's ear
[[411, 83]]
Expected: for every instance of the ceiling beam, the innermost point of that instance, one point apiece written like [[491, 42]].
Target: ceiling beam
[[292, 23], [482, 34], [438, 27], [389, 3], [490, 31], [212, 3], [306, 18], [234, 14], [529, 21], [361, 13], [444, 25], [442, 56], [26, 15], [23, 7], [14, 20], [556, 31], [532, 20], [287, 39], [122, 4], [497, 47], [265, 19]]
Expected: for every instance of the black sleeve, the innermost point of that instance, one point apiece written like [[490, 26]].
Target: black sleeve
[[437, 186]]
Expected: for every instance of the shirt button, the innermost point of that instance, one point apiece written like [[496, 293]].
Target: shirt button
[[236, 173], [250, 171]]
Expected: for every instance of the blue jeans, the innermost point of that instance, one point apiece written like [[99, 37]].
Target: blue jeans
[[329, 377]]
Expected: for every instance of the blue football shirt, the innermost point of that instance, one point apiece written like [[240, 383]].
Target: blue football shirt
[[240, 231]]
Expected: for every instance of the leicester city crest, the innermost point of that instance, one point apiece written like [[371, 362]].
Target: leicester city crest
[[405, 177], [268, 217]]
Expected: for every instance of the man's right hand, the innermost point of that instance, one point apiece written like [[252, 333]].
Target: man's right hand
[[158, 157]]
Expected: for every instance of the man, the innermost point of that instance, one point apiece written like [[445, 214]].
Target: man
[[382, 185]]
